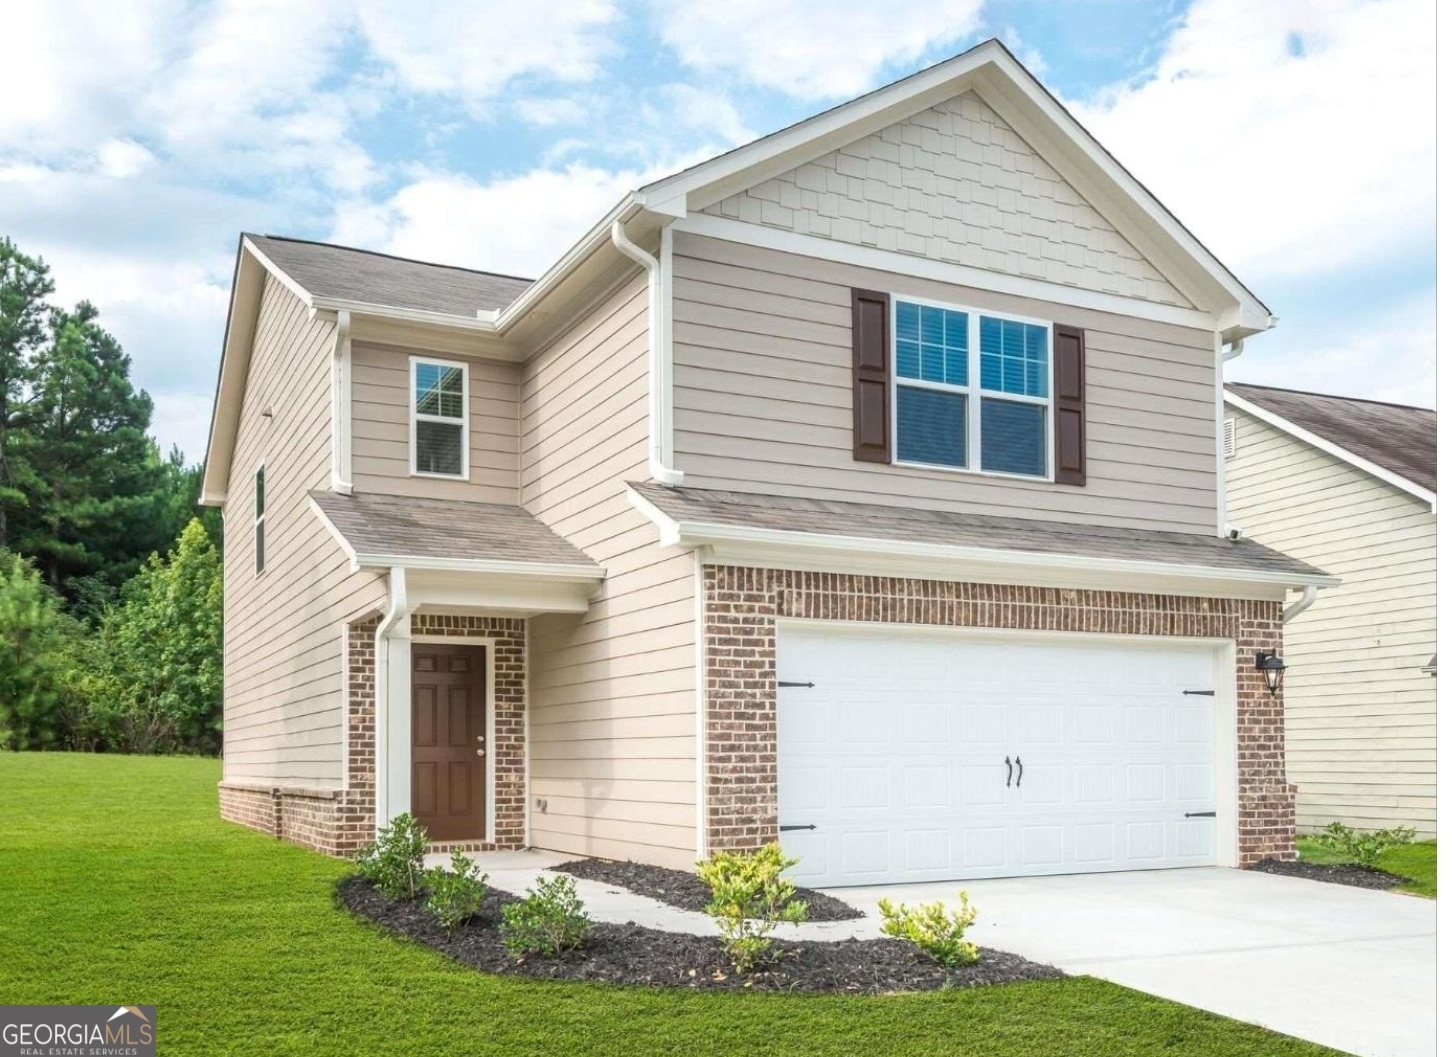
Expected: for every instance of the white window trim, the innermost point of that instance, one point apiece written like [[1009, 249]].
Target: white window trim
[[259, 521], [414, 418], [974, 392]]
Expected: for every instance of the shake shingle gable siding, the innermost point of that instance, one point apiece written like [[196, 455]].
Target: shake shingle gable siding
[[378, 279], [410, 527], [869, 521], [1395, 437]]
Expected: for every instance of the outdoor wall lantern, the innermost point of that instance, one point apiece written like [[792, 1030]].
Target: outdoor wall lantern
[[1273, 668]]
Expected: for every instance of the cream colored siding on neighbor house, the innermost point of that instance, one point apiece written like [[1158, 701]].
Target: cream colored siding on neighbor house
[[612, 707], [381, 393], [1360, 712], [763, 396], [282, 631], [955, 183]]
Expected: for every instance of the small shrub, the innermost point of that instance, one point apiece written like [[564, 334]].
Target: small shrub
[[1364, 849], [550, 918], [454, 896], [394, 862], [932, 929], [749, 899]]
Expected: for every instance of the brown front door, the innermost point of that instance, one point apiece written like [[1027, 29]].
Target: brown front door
[[450, 741]]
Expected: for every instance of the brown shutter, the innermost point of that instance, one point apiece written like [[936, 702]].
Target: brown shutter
[[1070, 461], [871, 368]]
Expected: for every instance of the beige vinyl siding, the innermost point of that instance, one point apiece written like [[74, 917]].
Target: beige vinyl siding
[[763, 396], [612, 705], [955, 184], [1360, 712], [381, 395], [283, 631]]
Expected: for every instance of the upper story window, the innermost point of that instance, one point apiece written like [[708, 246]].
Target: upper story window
[[972, 390], [439, 418], [259, 519]]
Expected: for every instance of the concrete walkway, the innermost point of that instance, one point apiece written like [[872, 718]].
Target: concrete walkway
[[1346, 967]]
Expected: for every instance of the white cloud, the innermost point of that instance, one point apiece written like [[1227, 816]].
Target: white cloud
[[811, 49], [1295, 138], [471, 50], [122, 159]]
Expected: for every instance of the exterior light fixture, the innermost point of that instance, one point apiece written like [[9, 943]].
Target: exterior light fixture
[[1273, 668]]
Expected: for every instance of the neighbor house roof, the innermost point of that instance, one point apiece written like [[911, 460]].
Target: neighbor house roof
[[706, 513], [388, 530], [341, 273], [1399, 440]]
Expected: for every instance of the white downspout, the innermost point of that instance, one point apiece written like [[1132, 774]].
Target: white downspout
[[397, 611], [342, 381], [1300, 605], [655, 357], [1222, 505]]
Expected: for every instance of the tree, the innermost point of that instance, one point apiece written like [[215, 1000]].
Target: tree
[[93, 500], [157, 679], [25, 283], [33, 673]]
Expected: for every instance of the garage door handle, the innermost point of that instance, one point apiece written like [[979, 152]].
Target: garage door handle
[[1199, 814], [1020, 772], [788, 829], [1007, 782]]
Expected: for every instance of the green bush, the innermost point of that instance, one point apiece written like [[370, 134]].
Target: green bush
[[454, 896], [394, 862], [932, 929], [1363, 848], [749, 899], [550, 918]]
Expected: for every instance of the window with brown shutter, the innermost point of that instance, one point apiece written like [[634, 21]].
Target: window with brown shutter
[[1070, 460], [871, 388]]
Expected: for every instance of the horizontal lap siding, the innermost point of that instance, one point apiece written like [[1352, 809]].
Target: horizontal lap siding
[[381, 394], [283, 649], [612, 707], [1360, 712], [763, 397]]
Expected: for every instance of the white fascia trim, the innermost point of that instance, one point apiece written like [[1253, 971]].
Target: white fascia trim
[[278, 274], [410, 315], [567, 573], [938, 271], [1381, 473]]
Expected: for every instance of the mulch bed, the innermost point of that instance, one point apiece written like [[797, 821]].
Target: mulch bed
[[1334, 873], [686, 891], [630, 954]]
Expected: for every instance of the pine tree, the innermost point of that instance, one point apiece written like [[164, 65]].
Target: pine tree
[[25, 283]]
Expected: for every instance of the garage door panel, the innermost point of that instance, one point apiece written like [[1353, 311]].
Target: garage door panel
[[897, 754]]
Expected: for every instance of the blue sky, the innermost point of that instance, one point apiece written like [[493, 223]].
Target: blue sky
[[1295, 138]]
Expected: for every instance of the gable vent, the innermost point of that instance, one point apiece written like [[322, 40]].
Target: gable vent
[[1227, 437]]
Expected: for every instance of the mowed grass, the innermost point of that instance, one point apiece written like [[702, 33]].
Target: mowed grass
[[119, 884], [1416, 862]]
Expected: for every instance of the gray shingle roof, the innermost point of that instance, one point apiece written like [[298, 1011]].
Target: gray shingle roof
[[911, 525], [347, 274], [1395, 437], [410, 527]]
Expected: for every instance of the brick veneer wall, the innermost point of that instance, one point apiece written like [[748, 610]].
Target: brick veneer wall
[[339, 821], [742, 606]]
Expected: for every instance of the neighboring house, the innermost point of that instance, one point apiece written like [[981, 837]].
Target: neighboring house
[[860, 486], [1350, 486]]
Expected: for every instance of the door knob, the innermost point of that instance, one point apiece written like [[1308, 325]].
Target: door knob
[[479, 737], [478, 752]]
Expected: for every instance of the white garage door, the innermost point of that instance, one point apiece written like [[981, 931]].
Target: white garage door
[[922, 755]]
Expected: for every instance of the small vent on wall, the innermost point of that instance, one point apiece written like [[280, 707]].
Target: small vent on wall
[[1227, 437]]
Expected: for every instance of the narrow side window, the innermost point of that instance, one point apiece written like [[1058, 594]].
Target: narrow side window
[[259, 519], [439, 419]]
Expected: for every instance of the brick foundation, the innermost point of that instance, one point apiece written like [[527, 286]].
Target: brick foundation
[[340, 821], [742, 605]]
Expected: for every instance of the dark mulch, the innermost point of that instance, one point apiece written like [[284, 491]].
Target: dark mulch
[[1333, 873], [630, 954], [686, 891]]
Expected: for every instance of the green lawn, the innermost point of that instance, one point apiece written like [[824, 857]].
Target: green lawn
[[118, 884], [1418, 862]]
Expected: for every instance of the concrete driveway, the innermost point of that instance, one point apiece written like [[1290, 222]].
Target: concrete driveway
[[1345, 967]]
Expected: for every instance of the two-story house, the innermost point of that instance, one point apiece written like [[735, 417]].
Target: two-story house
[[859, 487]]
